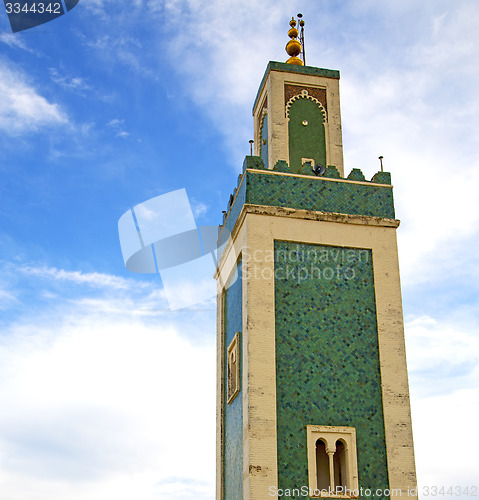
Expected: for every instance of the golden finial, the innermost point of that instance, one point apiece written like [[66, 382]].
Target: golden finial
[[293, 47]]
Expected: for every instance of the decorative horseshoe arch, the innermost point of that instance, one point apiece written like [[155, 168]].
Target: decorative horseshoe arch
[[304, 95]]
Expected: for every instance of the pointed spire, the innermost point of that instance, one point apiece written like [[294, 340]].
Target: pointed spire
[[293, 47]]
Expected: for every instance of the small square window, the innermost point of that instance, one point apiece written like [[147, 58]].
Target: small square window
[[233, 369], [332, 461]]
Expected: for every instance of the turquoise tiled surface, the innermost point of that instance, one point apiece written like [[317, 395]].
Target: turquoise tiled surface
[[327, 358], [233, 413], [306, 141], [332, 172], [254, 162], [382, 178], [357, 175], [318, 194], [236, 208]]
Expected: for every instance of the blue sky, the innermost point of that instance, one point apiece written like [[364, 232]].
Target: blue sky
[[117, 102]]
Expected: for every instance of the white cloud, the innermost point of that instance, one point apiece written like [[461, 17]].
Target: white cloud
[[100, 405], [105, 392], [105, 294], [199, 209], [441, 423], [116, 122], [420, 114], [15, 40], [117, 125], [6, 298], [124, 49], [22, 108], [92, 279], [75, 84], [190, 285], [96, 7], [443, 361], [443, 357], [147, 305]]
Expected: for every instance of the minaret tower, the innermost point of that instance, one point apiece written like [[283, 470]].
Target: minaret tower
[[312, 388]]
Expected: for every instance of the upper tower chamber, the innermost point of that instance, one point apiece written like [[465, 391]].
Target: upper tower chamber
[[297, 117]]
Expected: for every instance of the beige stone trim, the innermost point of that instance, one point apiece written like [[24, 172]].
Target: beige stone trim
[[297, 213], [392, 350], [328, 150], [259, 317]]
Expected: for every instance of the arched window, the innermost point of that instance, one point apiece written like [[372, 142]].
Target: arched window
[[340, 466], [322, 465], [332, 461]]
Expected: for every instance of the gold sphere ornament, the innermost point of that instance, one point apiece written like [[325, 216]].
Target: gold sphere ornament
[[293, 47], [295, 60], [293, 33]]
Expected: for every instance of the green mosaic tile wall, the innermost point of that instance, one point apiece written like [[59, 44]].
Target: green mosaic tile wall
[[233, 413], [327, 358], [306, 141], [319, 194]]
